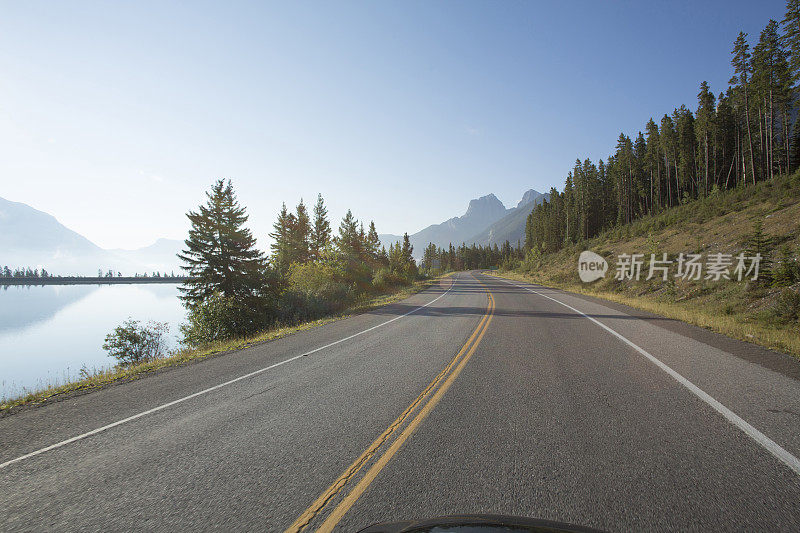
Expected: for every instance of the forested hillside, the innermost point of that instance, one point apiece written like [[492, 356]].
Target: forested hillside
[[742, 135], [762, 218], [720, 180]]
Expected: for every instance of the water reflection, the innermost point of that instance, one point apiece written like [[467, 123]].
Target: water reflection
[[25, 306], [48, 333]]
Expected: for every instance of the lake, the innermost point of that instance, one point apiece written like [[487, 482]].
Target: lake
[[48, 333]]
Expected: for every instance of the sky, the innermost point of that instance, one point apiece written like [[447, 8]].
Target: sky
[[116, 117]]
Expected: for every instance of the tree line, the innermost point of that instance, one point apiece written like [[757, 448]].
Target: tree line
[[436, 260], [25, 272], [745, 134], [235, 289]]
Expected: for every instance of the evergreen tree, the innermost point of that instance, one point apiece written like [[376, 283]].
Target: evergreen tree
[[759, 243], [220, 255], [669, 143], [348, 241], [321, 230], [407, 250], [785, 272], [301, 235], [772, 87], [794, 146], [687, 148], [373, 241], [791, 37], [429, 257], [363, 245], [704, 130], [282, 236], [727, 141], [639, 181], [653, 165], [743, 69]]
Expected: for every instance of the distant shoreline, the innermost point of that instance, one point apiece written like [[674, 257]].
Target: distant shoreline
[[80, 280]]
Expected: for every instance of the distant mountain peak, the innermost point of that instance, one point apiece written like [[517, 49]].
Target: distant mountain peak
[[33, 238], [485, 205], [530, 196]]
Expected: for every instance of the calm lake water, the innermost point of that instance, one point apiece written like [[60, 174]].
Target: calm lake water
[[47, 334]]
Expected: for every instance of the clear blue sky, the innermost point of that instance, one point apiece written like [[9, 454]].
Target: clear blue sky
[[116, 116]]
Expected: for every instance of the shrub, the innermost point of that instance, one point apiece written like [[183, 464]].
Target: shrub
[[321, 280], [785, 270], [386, 279], [218, 318], [316, 289], [132, 343], [510, 264], [787, 306], [533, 260]]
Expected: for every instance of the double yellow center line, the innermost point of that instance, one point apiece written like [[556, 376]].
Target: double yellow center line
[[428, 399]]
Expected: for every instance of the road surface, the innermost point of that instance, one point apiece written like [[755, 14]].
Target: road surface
[[476, 396]]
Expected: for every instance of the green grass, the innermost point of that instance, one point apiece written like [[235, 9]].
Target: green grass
[[105, 378]]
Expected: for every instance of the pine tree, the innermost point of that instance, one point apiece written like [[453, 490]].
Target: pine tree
[[348, 241], [220, 255], [785, 272], [669, 142], [727, 135], [321, 230], [743, 69], [373, 241], [653, 165], [282, 239], [301, 235], [772, 86], [640, 182], [569, 210], [363, 245], [791, 37], [794, 146], [759, 243], [704, 130], [687, 148], [407, 250], [623, 170], [429, 256]]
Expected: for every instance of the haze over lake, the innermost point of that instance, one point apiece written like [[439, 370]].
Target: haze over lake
[[48, 333]]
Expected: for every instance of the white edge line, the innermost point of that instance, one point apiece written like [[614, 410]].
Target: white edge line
[[770, 445], [210, 389]]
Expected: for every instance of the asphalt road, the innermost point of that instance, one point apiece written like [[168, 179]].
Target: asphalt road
[[493, 398]]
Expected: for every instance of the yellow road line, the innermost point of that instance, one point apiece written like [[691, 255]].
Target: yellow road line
[[372, 473], [309, 514]]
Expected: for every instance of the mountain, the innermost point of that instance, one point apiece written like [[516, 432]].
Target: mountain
[[512, 226], [481, 212], [32, 238], [27, 229], [388, 239], [532, 196], [35, 239], [486, 221]]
